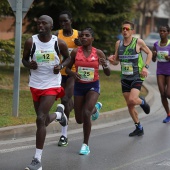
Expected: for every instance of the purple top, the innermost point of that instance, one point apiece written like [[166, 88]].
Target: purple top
[[163, 66]]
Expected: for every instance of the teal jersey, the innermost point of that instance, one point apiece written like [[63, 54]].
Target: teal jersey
[[131, 61]]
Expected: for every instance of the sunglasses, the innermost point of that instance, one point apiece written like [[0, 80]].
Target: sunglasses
[[126, 28]]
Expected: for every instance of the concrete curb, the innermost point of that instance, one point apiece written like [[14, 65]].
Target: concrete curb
[[28, 130]]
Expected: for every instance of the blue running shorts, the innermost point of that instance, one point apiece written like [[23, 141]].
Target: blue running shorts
[[81, 89]]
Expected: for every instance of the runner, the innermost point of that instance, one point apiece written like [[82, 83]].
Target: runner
[[45, 80], [70, 36], [161, 53], [87, 88], [133, 70]]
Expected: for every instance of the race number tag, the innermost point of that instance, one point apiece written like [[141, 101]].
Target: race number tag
[[87, 74], [127, 68], [161, 56], [45, 57]]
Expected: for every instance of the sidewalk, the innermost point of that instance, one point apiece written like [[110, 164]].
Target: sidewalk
[[29, 130]]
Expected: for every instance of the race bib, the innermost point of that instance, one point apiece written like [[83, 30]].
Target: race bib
[[45, 57], [127, 68], [161, 56], [87, 74]]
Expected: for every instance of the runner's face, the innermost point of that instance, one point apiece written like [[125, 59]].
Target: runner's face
[[65, 22], [44, 26], [126, 30], [163, 32], [86, 38]]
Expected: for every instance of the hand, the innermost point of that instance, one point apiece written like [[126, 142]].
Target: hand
[[167, 58], [144, 72], [56, 69], [76, 76], [103, 62], [154, 53], [77, 42], [112, 59], [33, 65]]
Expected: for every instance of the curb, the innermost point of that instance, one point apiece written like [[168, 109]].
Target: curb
[[29, 130]]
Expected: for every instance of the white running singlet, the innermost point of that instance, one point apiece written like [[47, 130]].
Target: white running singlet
[[46, 57]]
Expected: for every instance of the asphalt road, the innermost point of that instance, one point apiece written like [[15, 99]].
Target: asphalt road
[[111, 148]]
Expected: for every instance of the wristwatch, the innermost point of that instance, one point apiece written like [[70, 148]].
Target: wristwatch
[[146, 66], [61, 66]]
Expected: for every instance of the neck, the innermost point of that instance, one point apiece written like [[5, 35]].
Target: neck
[[164, 40], [44, 38], [127, 40], [68, 32], [87, 49]]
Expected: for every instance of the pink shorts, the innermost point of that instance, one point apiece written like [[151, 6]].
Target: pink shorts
[[37, 93]]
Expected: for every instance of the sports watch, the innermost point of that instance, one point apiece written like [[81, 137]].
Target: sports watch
[[146, 66], [61, 66]]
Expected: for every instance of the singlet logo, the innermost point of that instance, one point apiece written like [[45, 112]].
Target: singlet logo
[[130, 50], [93, 58]]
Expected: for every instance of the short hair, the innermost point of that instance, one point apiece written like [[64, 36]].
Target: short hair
[[48, 18], [90, 30], [130, 23], [166, 26], [66, 12]]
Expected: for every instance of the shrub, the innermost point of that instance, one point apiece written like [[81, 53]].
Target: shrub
[[7, 51]]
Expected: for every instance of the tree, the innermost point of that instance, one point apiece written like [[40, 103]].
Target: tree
[[146, 7], [104, 16], [5, 8], [6, 51]]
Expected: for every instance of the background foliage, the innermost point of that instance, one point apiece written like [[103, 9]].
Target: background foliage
[[6, 51], [104, 16]]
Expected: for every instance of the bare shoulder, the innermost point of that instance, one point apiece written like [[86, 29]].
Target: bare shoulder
[[61, 42], [73, 53], [99, 52], [117, 44], [28, 43], [142, 46], [140, 42]]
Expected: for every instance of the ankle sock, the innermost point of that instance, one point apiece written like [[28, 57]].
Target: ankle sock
[[64, 130], [38, 154], [142, 102], [139, 126]]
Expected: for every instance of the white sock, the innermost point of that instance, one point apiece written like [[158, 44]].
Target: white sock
[[58, 114], [64, 131], [38, 154]]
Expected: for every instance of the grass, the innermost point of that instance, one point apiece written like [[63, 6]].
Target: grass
[[111, 96]]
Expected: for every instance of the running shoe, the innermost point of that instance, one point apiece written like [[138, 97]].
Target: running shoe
[[35, 165], [63, 141], [63, 121], [137, 132], [145, 106], [96, 115], [167, 119], [84, 150]]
